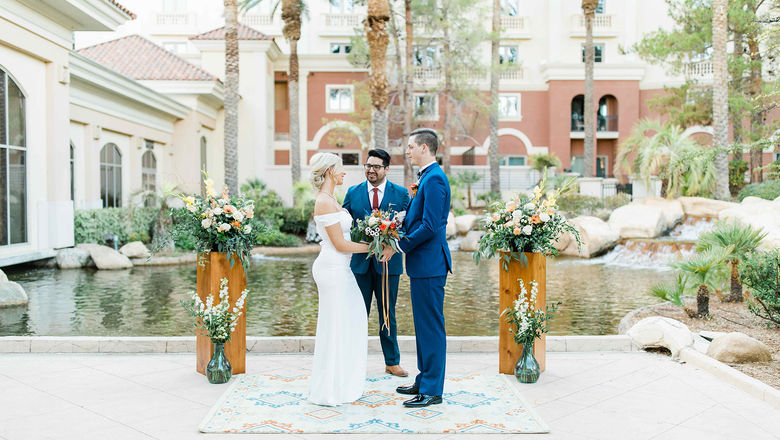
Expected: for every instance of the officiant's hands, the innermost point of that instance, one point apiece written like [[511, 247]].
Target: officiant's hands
[[387, 253]]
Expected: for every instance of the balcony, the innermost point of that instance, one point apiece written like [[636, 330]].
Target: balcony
[[701, 71], [604, 25], [513, 74], [342, 21], [427, 73], [606, 126], [169, 19], [256, 19], [512, 24]]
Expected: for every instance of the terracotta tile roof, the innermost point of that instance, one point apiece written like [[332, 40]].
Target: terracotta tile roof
[[244, 33], [140, 59], [123, 9]]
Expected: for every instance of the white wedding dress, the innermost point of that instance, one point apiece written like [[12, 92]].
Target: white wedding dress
[[340, 347]]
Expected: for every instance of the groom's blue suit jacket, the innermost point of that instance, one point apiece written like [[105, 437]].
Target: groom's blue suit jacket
[[425, 226], [396, 198]]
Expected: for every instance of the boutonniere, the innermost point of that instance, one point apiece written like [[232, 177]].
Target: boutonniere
[[414, 189]]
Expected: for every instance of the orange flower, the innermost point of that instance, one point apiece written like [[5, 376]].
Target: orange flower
[[383, 226], [535, 219], [517, 231], [236, 224]]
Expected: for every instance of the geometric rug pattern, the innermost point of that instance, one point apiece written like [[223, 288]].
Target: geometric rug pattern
[[473, 404]]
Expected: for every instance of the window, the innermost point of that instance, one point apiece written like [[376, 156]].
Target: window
[[339, 99], [175, 47], [598, 55], [607, 117], [578, 164], [149, 173], [509, 7], [72, 173], [174, 6], [426, 107], [600, 7], [350, 158], [342, 6], [512, 161], [340, 48], [507, 54], [509, 106], [111, 176], [578, 113], [425, 56], [13, 162], [601, 166], [281, 95]]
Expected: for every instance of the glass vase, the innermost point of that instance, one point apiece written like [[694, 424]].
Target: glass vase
[[527, 369], [219, 370]]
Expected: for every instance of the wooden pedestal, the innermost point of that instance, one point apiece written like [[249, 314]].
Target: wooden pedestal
[[536, 270], [217, 267]]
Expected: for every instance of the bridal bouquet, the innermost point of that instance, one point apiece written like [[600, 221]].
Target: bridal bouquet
[[377, 229], [525, 224], [217, 321], [529, 323], [219, 223]]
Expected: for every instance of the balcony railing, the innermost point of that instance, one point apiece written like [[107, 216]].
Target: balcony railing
[[601, 22], [342, 20], [512, 23], [256, 19], [699, 70], [166, 19], [427, 73], [603, 123], [514, 74]]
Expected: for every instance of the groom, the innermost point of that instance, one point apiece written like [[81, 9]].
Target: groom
[[379, 193], [427, 264]]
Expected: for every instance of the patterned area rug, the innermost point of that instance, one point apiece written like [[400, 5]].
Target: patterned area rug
[[277, 404]]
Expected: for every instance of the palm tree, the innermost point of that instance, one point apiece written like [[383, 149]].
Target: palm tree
[[673, 292], [231, 95], [467, 179], [742, 239], [704, 271], [291, 14], [720, 105], [589, 9], [495, 175], [378, 39], [408, 104]]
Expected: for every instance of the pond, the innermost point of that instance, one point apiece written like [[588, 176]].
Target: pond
[[145, 301]]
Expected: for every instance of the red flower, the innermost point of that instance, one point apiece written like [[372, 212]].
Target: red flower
[[382, 226], [414, 188]]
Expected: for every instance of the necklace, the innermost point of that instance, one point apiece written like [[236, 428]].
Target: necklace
[[329, 194]]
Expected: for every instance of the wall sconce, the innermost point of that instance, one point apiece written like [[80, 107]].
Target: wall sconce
[[339, 144]]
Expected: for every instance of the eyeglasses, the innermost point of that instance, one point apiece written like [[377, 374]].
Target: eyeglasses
[[374, 167]]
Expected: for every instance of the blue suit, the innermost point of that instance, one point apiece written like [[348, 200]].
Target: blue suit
[[368, 271], [428, 262]]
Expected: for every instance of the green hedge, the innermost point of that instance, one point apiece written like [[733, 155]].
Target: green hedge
[[769, 190], [577, 204], [129, 224], [275, 237]]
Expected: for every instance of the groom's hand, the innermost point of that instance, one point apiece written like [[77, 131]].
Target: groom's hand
[[387, 253]]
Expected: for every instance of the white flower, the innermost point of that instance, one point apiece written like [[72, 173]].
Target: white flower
[[517, 216], [192, 208], [238, 216], [527, 229], [206, 223], [544, 217], [529, 206], [217, 211], [247, 229], [373, 221], [223, 227]]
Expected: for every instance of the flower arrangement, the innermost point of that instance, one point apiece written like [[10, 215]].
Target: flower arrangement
[[525, 224], [414, 188], [219, 223], [377, 229], [529, 323], [219, 320]]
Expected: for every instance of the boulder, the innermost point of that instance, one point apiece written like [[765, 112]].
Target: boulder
[[637, 221], [595, 234], [760, 214], [12, 294], [452, 229], [135, 249], [3, 277], [470, 242], [105, 257], [672, 210], [72, 258], [563, 242], [704, 207], [738, 348], [465, 223], [658, 331]]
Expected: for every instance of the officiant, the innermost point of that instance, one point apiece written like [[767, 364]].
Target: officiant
[[379, 193]]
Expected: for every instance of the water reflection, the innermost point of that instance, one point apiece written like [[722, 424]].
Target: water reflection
[[144, 301]]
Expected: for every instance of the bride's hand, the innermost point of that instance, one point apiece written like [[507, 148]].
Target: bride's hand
[[387, 253]]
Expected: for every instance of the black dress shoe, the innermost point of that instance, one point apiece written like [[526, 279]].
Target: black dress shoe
[[422, 400], [408, 389]]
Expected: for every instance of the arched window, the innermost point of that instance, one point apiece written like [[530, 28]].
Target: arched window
[[578, 113], [149, 175], [13, 162], [607, 116], [72, 173], [111, 176]]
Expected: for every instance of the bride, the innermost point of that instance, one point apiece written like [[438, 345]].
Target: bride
[[340, 347]]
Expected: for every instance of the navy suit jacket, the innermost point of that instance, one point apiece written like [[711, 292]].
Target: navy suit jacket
[[396, 198], [425, 227]]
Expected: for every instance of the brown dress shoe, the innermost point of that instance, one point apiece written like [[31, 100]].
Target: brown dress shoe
[[396, 370]]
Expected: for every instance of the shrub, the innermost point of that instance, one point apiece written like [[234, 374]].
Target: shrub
[[578, 204], [737, 169], [541, 161], [760, 271], [296, 220], [275, 237], [616, 201], [773, 170], [768, 190], [129, 224]]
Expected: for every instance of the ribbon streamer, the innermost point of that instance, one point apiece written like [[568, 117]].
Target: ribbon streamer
[[385, 298]]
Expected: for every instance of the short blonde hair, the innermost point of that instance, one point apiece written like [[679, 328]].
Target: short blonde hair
[[320, 164]]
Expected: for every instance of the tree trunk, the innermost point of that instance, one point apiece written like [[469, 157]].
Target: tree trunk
[[378, 39], [295, 131], [756, 113], [408, 103], [590, 108], [720, 105], [703, 302], [231, 95], [736, 78], [379, 125], [446, 158], [493, 153], [736, 285]]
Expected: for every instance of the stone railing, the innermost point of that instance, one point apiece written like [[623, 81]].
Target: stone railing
[[342, 20], [165, 19], [601, 22], [699, 70], [513, 74], [513, 24], [427, 73], [257, 19]]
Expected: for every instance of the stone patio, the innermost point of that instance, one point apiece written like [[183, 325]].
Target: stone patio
[[591, 395]]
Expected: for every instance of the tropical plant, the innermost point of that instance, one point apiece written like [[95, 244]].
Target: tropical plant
[[760, 271], [467, 179], [589, 10], [769, 190], [378, 39], [742, 239], [672, 291], [161, 238], [704, 271], [231, 95], [720, 94], [542, 161], [737, 170], [493, 153]]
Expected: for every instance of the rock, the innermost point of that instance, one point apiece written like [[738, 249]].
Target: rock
[[760, 214], [3, 277], [135, 249], [465, 223], [105, 257], [637, 221], [12, 294], [703, 207], [470, 242], [738, 348], [595, 234], [672, 210], [452, 229], [658, 331], [72, 258], [563, 242]]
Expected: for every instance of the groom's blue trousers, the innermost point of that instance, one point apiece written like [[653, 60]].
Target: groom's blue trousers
[[370, 284], [428, 312]]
